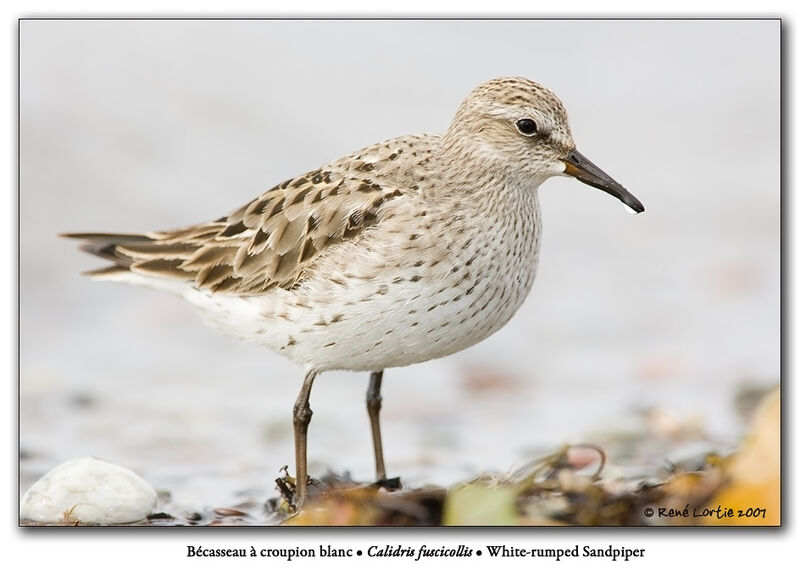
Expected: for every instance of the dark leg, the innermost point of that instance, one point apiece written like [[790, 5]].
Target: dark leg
[[302, 417], [373, 409]]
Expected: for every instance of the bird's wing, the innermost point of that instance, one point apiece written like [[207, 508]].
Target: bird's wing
[[267, 243]]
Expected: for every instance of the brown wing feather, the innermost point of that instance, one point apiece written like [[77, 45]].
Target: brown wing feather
[[266, 243], [271, 241]]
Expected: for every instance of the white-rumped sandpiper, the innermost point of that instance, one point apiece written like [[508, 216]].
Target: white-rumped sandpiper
[[404, 251]]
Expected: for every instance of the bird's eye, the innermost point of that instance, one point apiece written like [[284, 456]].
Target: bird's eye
[[526, 127]]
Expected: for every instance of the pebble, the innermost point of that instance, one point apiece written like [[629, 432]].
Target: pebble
[[88, 491]]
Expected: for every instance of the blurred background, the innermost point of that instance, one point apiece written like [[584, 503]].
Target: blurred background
[[649, 324]]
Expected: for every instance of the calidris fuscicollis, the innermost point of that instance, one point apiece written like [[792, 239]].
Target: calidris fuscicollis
[[404, 251]]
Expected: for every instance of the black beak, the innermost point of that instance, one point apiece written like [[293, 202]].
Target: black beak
[[580, 167]]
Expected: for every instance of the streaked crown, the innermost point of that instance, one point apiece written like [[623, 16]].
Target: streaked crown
[[516, 122]]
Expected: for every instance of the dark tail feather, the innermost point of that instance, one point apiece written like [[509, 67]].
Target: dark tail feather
[[108, 237], [104, 245]]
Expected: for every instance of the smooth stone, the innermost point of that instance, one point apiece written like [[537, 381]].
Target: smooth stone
[[88, 491]]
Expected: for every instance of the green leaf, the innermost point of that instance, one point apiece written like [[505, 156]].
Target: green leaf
[[480, 505]]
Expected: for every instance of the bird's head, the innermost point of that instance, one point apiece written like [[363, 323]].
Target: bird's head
[[522, 128]]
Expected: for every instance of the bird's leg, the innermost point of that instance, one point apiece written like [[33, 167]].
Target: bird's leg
[[301, 419], [373, 409]]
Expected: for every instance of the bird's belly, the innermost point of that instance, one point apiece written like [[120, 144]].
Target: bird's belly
[[391, 300], [369, 325]]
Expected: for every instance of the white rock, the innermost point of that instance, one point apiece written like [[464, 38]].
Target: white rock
[[88, 491]]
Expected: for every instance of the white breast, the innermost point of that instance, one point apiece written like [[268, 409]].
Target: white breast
[[391, 300]]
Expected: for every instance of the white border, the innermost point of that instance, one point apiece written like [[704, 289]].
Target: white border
[[692, 547]]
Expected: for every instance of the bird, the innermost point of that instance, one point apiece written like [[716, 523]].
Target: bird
[[404, 251]]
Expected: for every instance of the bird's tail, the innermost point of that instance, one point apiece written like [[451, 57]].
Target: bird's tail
[[140, 259], [107, 246]]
